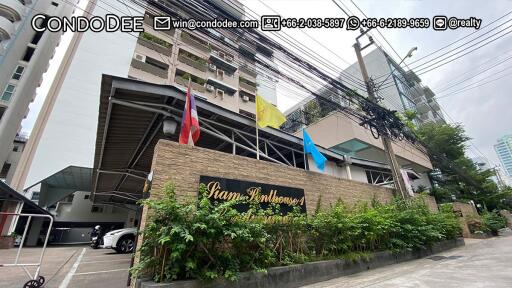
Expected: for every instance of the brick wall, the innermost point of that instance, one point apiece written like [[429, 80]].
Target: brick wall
[[182, 165]]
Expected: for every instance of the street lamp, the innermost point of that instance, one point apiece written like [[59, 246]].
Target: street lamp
[[409, 54]]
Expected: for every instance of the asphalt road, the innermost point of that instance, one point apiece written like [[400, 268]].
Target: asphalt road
[[480, 263]]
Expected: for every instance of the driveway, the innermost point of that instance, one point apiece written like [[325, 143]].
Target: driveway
[[71, 266], [481, 263]]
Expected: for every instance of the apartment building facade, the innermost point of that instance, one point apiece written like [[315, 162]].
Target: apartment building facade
[[401, 91], [504, 151], [24, 57], [218, 72]]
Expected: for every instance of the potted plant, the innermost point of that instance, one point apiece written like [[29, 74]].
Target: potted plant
[[7, 241]]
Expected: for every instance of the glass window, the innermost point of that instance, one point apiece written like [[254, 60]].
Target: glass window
[[9, 90], [18, 72], [28, 54]]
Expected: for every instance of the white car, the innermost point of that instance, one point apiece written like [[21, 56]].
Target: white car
[[122, 240]]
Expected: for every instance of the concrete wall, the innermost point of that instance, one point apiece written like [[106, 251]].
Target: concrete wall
[[80, 211], [172, 163], [69, 135]]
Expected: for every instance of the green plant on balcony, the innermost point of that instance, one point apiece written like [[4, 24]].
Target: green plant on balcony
[[193, 57], [193, 78], [155, 39]]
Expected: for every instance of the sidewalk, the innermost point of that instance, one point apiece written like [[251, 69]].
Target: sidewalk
[[481, 263]]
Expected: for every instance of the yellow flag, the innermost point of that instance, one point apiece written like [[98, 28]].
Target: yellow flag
[[267, 114]]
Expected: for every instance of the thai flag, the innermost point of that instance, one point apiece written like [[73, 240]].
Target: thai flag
[[189, 122]]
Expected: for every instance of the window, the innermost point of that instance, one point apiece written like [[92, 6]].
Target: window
[[378, 177], [35, 196], [55, 4], [2, 111], [28, 54], [15, 148], [5, 170], [9, 90], [18, 72], [86, 196], [43, 23]]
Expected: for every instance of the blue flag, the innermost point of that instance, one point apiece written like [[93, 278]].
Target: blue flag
[[309, 147]]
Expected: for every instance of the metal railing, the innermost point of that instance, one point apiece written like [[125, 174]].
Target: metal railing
[[36, 279]]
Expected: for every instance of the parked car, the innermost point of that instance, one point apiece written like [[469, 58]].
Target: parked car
[[122, 240]]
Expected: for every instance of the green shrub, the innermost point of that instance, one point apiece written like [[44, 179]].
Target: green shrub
[[492, 222], [198, 239], [155, 39]]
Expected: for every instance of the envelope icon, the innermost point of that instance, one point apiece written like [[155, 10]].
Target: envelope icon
[[162, 23]]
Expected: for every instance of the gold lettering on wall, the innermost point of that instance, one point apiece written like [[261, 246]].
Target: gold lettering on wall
[[253, 194]]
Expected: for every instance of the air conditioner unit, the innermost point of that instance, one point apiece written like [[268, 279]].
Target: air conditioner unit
[[245, 98], [229, 58], [140, 57], [212, 67], [221, 54], [220, 73], [220, 93], [209, 87]]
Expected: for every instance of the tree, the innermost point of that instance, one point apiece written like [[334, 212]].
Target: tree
[[454, 174]]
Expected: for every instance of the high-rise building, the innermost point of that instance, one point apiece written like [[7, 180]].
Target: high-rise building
[[401, 91], [221, 70], [24, 57], [504, 151]]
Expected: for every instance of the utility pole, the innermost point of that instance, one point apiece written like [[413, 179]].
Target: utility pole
[[386, 142]]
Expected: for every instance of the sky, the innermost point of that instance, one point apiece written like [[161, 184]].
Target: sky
[[485, 112]]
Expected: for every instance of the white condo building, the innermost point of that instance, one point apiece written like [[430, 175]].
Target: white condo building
[[24, 57]]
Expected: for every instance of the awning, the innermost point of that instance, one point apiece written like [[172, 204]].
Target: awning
[[130, 122], [7, 193], [62, 183]]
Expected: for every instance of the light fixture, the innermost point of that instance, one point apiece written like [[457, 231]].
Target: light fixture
[[169, 126], [409, 54]]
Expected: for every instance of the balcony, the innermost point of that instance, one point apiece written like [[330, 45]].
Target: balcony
[[152, 69], [192, 41], [220, 60], [249, 71], [155, 43], [247, 86], [195, 86], [428, 93], [11, 9], [6, 29], [198, 64]]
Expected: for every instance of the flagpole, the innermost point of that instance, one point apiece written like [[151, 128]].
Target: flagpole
[[257, 136]]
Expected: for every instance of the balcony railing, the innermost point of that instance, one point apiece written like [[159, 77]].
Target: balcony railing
[[149, 68], [187, 38], [248, 87], [165, 49], [245, 69], [195, 86], [193, 63]]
